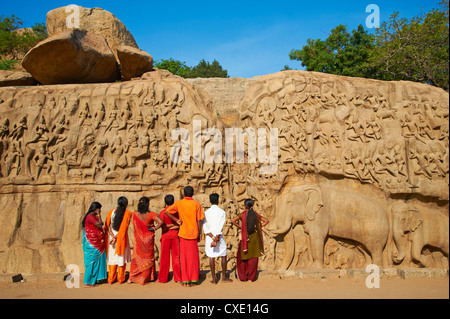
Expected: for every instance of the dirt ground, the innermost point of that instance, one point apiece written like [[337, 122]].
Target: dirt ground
[[263, 288]]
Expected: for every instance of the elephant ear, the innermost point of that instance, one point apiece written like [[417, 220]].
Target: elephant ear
[[416, 218], [313, 203]]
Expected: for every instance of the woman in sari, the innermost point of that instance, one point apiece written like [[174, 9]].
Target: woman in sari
[[251, 246], [118, 249], [143, 268], [94, 246]]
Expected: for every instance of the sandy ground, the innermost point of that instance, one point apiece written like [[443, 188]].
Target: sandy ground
[[263, 288]]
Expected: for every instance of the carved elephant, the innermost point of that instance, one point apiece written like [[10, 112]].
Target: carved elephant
[[327, 211], [421, 227]]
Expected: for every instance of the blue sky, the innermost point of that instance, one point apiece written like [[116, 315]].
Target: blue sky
[[248, 38]]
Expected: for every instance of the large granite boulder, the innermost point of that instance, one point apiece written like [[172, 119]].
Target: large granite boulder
[[72, 57], [94, 20], [133, 62]]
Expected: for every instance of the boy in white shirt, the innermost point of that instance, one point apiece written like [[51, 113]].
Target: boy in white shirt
[[215, 245]]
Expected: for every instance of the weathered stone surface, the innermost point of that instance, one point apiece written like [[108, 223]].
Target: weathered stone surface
[[95, 20], [226, 93], [133, 62], [352, 154], [157, 74], [16, 78], [72, 57], [422, 273]]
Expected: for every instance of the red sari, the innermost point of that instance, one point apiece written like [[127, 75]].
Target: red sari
[[142, 269]]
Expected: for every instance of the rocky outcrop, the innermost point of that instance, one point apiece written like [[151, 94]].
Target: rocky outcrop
[[133, 62], [72, 57], [348, 153], [16, 78], [80, 48], [95, 20]]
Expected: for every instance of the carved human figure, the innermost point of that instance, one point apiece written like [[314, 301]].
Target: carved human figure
[[40, 130], [373, 129], [99, 116], [14, 156], [41, 158], [355, 130], [19, 128], [118, 151]]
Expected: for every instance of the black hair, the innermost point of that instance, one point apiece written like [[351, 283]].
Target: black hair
[[122, 204], [94, 206], [214, 199], [143, 206], [169, 200], [252, 219], [188, 191]]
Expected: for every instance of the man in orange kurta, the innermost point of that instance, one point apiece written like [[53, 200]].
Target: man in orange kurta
[[190, 214]]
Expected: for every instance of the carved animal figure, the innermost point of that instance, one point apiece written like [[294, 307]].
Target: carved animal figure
[[421, 227], [138, 171], [328, 211], [90, 172]]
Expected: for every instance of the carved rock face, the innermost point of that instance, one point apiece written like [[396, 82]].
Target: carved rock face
[[65, 146], [72, 57]]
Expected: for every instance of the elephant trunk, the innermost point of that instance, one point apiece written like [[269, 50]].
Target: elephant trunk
[[284, 228], [400, 242]]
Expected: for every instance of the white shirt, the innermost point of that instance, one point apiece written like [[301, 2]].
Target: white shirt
[[214, 220]]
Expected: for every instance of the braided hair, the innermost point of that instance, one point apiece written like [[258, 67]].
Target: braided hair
[[122, 204], [252, 218]]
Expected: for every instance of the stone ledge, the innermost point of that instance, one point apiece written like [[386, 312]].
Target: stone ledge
[[422, 273], [59, 276], [354, 273], [279, 274]]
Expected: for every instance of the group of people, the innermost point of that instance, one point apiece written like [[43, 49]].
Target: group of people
[[107, 250]]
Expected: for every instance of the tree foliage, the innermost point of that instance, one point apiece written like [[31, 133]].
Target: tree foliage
[[208, 70], [414, 49], [203, 70], [342, 53], [174, 66], [16, 42]]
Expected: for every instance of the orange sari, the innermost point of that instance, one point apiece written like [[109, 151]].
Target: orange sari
[[142, 269]]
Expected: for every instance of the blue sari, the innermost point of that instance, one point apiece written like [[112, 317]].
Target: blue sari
[[94, 253]]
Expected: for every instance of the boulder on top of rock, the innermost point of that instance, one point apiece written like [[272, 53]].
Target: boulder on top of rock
[[133, 62], [95, 20], [75, 56]]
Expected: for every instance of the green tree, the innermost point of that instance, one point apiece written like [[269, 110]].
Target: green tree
[[208, 70], [286, 68], [203, 69], [174, 66], [416, 49], [16, 42], [342, 53]]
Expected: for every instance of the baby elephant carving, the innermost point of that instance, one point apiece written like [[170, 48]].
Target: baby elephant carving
[[421, 227]]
